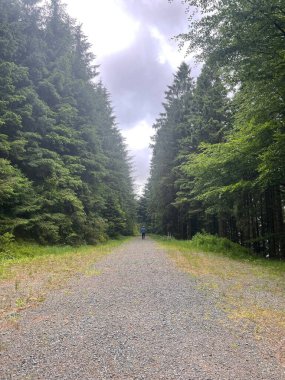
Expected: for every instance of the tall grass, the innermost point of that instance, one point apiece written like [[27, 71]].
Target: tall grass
[[25, 254], [24, 250], [214, 245]]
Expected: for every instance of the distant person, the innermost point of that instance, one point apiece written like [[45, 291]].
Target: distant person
[[143, 231]]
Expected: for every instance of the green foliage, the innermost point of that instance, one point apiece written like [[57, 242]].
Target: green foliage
[[207, 243], [23, 251], [171, 129], [211, 243], [213, 247], [242, 35], [200, 113], [62, 159], [229, 168], [6, 243], [271, 167], [226, 171]]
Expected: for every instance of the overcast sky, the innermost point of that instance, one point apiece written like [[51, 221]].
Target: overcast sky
[[132, 43]]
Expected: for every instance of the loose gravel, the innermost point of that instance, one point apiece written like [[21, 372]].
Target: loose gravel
[[141, 318]]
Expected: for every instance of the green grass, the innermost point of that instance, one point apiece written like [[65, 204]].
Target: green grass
[[28, 251], [222, 247], [31, 253], [32, 271], [21, 250]]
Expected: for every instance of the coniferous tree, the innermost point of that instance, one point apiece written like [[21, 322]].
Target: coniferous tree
[[171, 129], [55, 122], [194, 114], [209, 120], [230, 168]]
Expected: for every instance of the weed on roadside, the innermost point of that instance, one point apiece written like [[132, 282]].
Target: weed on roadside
[[35, 270], [250, 289]]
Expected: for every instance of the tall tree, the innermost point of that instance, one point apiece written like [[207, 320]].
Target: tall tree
[[171, 129], [209, 121], [246, 40], [55, 121]]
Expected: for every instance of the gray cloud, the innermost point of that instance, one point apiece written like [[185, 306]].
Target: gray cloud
[[134, 77], [136, 80]]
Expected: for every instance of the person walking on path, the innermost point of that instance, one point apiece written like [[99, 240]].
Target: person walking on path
[[143, 231]]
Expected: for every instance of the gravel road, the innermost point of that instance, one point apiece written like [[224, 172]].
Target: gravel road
[[141, 318]]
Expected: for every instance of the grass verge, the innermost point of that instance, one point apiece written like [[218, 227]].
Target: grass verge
[[34, 270], [251, 289]]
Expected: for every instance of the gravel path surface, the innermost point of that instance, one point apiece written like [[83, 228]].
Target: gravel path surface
[[141, 318]]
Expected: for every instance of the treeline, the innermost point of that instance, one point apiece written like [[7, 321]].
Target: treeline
[[219, 149], [64, 171]]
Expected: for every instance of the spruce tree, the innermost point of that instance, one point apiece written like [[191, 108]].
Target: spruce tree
[[59, 140]]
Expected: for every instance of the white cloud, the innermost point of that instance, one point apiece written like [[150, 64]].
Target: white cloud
[[107, 26], [138, 137], [169, 51]]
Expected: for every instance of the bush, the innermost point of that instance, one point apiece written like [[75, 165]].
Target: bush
[[73, 239], [46, 232], [95, 231], [6, 243], [212, 243]]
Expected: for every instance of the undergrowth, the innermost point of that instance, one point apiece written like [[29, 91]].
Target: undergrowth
[[25, 254], [222, 247]]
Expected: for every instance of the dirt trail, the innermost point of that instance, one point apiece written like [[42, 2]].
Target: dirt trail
[[141, 318]]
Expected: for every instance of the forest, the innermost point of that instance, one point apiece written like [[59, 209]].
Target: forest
[[218, 163], [65, 176]]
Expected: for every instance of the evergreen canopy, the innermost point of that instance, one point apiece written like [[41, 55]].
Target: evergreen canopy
[[225, 170], [64, 170]]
